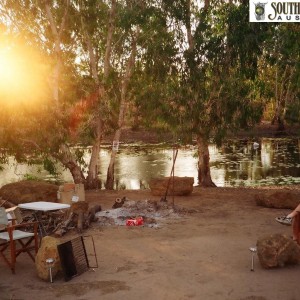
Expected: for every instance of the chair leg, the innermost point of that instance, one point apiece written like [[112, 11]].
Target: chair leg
[[13, 256], [26, 248], [15, 251], [8, 262]]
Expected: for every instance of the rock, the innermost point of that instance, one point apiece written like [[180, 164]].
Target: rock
[[29, 191], [183, 186], [47, 250], [278, 199], [277, 250]]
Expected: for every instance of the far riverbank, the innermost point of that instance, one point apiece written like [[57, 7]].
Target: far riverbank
[[265, 129]]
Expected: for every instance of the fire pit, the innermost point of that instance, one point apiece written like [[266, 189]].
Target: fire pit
[[152, 212]]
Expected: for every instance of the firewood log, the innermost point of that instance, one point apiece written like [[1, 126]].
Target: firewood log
[[79, 216]]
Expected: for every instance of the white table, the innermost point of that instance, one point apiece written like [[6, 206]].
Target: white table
[[43, 206]]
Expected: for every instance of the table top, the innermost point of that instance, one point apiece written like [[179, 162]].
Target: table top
[[44, 206]]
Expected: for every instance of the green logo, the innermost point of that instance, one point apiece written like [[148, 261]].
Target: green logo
[[260, 11]]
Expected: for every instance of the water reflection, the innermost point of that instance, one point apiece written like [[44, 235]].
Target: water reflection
[[236, 163]]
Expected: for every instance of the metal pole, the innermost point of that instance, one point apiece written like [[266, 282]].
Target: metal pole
[[50, 262], [169, 181], [173, 171], [253, 251]]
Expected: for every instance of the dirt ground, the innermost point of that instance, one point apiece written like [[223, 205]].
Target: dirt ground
[[203, 254]]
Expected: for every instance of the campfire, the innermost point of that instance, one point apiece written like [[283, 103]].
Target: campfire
[[153, 213]]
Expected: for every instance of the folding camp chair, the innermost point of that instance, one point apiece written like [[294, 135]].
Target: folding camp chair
[[16, 241]]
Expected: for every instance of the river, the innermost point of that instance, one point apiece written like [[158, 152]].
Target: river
[[236, 163]]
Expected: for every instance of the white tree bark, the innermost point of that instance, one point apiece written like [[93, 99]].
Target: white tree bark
[[204, 176], [93, 170], [111, 27], [122, 112]]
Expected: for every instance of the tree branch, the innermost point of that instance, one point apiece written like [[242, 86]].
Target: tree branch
[[51, 20], [63, 21], [32, 143], [57, 34], [92, 56], [110, 31]]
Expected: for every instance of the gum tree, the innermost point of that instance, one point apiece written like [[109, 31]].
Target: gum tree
[[218, 63], [147, 55], [93, 49]]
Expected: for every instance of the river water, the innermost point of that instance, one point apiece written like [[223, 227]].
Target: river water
[[236, 163]]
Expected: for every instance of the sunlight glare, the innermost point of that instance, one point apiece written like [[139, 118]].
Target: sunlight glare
[[22, 76]]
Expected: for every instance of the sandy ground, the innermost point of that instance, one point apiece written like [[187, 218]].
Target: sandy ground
[[201, 255]]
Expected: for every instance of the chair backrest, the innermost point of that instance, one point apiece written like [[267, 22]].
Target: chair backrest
[[3, 218], [15, 214]]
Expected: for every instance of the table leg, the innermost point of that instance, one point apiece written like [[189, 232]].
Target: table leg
[[41, 228]]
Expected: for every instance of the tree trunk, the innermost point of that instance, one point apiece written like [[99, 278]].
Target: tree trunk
[[188, 26], [110, 177], [277, 119], [66, 158], [93, 182], [110, 32], [122, 112], [57, 40], [204, 177], [203, 153]]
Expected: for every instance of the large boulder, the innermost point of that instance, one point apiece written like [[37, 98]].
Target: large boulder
[[47, 250], [182, 186], [29, 191], [278, 199], [277, 250]]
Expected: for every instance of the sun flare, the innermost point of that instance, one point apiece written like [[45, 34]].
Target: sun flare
[[8, 68], [22, 76]]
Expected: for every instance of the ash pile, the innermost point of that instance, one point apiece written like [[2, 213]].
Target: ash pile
[[153, 213]]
